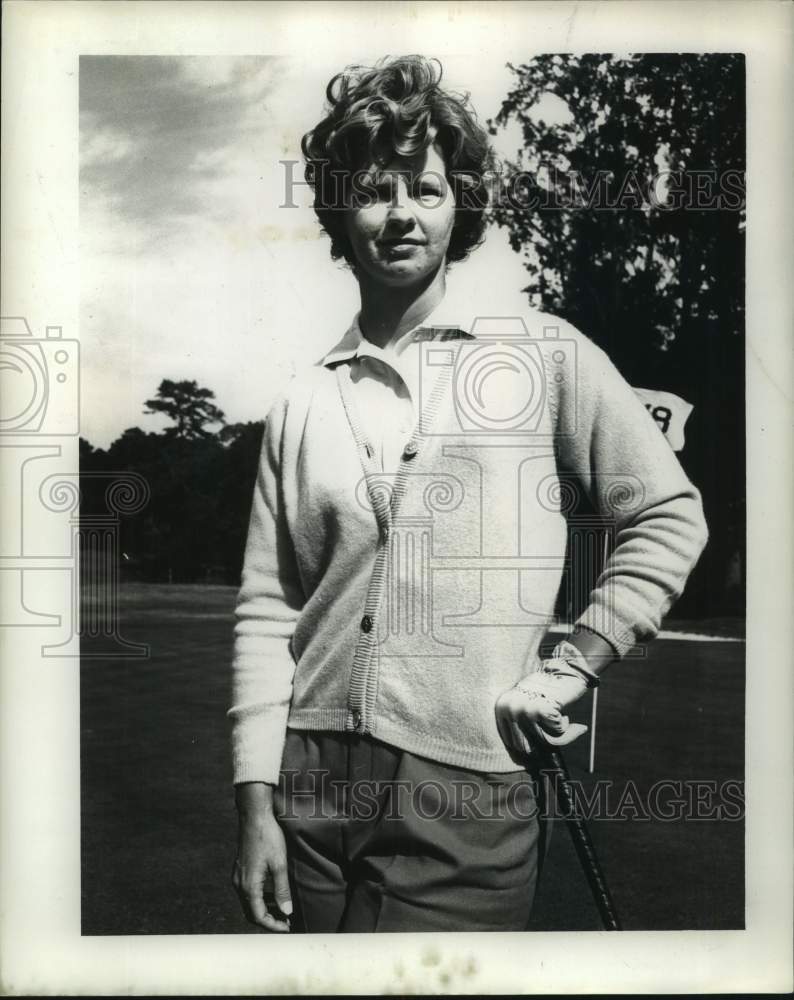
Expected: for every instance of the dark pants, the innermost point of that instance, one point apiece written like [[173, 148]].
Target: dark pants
[[379, 839]]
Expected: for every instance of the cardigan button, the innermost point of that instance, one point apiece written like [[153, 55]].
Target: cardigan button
[[410, 450], [356, 718], [366, 623]]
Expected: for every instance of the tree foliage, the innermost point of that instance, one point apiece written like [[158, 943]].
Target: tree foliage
[[188, 405], [636, 169], [194, 525]]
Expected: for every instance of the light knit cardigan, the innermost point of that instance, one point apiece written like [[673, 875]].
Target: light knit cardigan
[[401, 606]]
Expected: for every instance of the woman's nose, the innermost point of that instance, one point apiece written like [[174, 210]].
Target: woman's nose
[[400, 217], [400, 203]]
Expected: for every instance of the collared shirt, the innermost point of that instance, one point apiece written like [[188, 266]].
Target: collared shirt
[[386, 382]]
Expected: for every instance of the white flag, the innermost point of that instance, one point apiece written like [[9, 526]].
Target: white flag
[[670, 413]]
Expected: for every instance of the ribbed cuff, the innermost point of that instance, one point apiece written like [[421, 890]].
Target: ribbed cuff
[[620, 633], [258, 745]]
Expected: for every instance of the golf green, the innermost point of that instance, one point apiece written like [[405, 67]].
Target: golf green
[[158, 819]]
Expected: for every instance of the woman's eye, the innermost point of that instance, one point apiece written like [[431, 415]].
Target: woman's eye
[[429, 192], [367, 193]]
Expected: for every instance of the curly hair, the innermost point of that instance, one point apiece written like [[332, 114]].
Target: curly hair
[[397, 108]]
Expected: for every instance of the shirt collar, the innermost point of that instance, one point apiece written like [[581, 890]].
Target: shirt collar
[[354, 344], [347, 347]]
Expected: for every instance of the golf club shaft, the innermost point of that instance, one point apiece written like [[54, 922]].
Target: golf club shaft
[[580, 835]]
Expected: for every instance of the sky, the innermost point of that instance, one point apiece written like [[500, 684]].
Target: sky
[[191, 266]]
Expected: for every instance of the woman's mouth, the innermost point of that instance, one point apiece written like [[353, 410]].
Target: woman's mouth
[[400, 245]]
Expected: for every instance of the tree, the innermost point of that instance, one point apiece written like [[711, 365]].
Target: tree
[[626, 201], [189, 406], [194, 526], [242, 448], [629, 206], [250, 432]]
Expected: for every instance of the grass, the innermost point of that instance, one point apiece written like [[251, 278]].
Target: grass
[[158, 819]]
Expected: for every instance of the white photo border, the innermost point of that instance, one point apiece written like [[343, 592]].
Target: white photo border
[[41, 947]]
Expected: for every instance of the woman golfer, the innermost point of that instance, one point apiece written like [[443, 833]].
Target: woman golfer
[[407, 543]]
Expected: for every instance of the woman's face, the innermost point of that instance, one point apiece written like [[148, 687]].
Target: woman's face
[[401, 225]]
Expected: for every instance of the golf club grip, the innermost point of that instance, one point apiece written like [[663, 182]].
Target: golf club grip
[[582, 842]]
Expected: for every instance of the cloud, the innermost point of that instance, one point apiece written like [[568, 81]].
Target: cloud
[[103, 145], [179, 117], [239, 77]]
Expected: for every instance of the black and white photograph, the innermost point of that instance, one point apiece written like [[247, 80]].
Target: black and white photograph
[[394, 461]]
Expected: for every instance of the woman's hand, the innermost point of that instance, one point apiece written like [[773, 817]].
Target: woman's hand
[[532, 710], [260, 869]]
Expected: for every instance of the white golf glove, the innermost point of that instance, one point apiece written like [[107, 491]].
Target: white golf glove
[[532, 710]]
